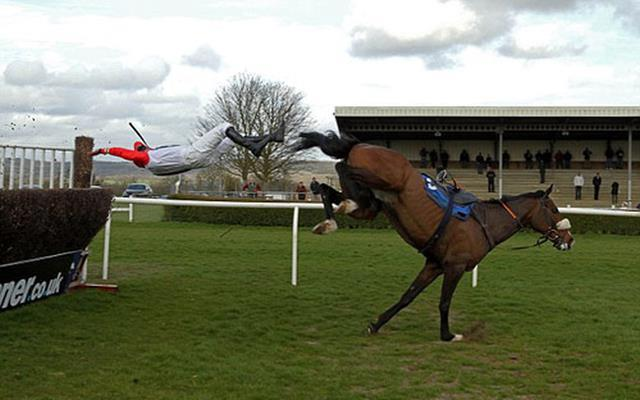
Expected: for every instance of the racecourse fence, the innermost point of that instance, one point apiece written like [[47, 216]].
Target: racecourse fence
[[44, 160], [295, 207]]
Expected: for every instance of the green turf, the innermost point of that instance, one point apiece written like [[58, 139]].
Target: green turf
[[200, 316]]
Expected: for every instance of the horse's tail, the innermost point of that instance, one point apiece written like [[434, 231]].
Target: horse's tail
[[330, 144]]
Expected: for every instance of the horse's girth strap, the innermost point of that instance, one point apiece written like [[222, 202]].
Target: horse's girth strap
[[439, 230]]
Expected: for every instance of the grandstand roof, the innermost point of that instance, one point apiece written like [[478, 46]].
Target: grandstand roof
[[375, 123]]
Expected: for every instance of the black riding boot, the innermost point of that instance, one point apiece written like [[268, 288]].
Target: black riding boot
[[254, 144]]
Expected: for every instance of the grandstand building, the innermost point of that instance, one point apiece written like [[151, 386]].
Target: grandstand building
[[493, 130]]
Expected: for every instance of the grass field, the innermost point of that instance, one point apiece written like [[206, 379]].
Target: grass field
[[200, 316]]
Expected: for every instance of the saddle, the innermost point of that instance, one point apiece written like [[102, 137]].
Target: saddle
[[444, 196], [453, 200]]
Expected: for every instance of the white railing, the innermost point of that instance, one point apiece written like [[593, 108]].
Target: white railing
[[35, 155], [294, 226]]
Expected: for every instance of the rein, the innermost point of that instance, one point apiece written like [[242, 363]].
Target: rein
[[550, 234]]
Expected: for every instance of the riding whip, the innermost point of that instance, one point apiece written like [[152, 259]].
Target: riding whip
[[139, 135]]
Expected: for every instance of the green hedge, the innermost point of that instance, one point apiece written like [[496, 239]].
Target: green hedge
[[257, 216], [283, 217]]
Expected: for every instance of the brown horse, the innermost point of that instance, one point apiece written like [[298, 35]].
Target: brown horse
[[376, 179]]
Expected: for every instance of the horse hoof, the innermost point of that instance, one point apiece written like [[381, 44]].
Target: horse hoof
[[346, 207], [371, 329], [324, 227], [457, 338]]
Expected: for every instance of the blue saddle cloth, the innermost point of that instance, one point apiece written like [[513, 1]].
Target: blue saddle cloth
[[442, 195]]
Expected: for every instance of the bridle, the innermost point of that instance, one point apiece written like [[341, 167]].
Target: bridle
[[550, 234]]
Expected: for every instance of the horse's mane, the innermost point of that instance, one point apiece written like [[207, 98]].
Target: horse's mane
[[533, 195]]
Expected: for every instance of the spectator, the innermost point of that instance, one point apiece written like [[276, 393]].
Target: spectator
[[542, 171], [558, 157], [587, 157], [464, 159], [578, 183], [620, 157], [539, 159], [301, 190], [608, 153], [423, 158], [433, 158], [315, 188], [528, 160], [444, 158], [597, 181], [506, 159], [546, 157], [491, 180], [567, 159], [479, 163], [488, 161], [251, 187], [614, 193]]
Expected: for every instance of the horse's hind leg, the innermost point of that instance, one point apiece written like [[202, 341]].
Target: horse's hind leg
[[428, 274], [330, 196], [452, 276]]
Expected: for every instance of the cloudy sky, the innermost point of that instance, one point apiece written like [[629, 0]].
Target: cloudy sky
[[88, 67]]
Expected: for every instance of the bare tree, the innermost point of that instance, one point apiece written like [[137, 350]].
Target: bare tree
[[257, 107]]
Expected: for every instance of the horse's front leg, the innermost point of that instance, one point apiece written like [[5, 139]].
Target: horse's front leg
[[452, 275], [427, 275], [330, 196]]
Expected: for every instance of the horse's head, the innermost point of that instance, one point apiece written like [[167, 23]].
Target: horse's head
[[546, 219]]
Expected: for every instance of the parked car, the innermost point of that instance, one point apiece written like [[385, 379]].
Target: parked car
[[137, 190]]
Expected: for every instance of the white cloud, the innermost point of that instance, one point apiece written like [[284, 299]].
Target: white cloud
[[147, 74], [204, 57], [25, 73]]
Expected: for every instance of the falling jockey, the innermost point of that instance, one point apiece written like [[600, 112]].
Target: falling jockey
[[204, 151]]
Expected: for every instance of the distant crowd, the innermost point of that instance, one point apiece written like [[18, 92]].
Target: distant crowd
[[544, 159]]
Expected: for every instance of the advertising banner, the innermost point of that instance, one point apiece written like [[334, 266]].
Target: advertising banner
[[27, 281]]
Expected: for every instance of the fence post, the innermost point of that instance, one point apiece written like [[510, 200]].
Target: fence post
[[294, 247], [12, 167], [32, 167], [474, 277], [82, 162], [130, 212], [105, 255], [2, 156], [62, 162], [21, 169], [52, 168], [41, 174]]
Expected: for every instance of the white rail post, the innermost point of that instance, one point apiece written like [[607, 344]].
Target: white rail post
[[84, 273], [71, 170], [130, 212], [52, 168], [21, 169], [474, 277], [294, 247], [500, 161], [630, 167], [62, 161], [32, 167], [105, 255], [2, 156], [41, 174], [12, 167]]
